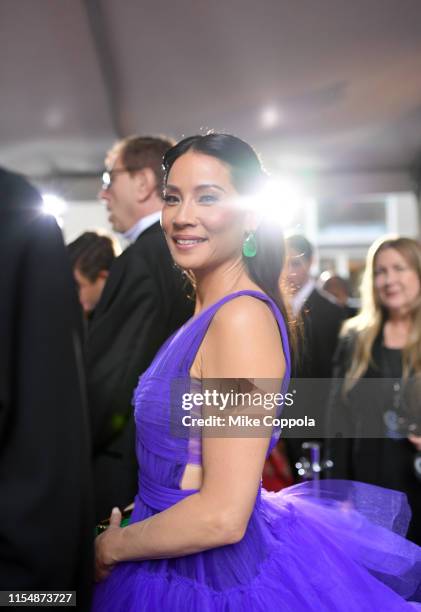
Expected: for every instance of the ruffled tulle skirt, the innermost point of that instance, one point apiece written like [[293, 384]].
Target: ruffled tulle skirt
[[335, 545]]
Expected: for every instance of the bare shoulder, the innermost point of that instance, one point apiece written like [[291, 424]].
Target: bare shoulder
[[243, 340], [242, 312]]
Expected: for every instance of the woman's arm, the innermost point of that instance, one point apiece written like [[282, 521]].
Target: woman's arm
[[416, 441], [243, 341]]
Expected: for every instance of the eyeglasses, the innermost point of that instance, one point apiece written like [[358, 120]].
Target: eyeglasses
[[108, 175]]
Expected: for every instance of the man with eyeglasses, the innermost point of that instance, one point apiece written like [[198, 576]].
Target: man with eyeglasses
[[143, 302]]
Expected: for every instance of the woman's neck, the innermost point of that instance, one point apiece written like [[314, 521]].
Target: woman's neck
[[396, 330], [215, 284]]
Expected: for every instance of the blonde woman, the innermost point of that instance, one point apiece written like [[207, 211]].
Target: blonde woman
[[376, 399]]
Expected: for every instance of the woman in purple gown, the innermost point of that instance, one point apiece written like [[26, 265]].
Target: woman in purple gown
[[204, 535]]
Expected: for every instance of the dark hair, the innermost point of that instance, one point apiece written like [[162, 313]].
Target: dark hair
[[248, 177], [335, 278], [139, 152], [300, 244], [91, 253]]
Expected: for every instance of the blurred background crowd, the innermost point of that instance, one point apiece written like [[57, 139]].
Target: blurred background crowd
[[330, 97]]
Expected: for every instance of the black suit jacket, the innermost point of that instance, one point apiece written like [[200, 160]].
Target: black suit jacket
[[144, 301], [322, 320], [46, 518]]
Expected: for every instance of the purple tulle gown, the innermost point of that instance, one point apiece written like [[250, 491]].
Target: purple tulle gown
[[337, 547]]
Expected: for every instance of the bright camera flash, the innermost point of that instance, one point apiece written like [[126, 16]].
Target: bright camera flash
[[54, 205]]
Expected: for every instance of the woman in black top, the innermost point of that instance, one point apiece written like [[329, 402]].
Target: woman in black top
[[375, 401]]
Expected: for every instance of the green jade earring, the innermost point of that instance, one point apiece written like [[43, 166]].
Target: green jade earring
[[250, 245]]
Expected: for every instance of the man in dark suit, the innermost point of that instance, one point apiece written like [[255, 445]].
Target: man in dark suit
[[322, 318], [144, 301], [46, 513]]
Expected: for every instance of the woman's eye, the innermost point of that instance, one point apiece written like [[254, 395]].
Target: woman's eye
[[208, 199], [170, 199]]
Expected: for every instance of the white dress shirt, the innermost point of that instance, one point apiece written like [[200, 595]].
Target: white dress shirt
[[302, 294], [140, 226]]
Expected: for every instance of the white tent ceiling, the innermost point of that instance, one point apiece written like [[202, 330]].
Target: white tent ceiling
[[325, 86]]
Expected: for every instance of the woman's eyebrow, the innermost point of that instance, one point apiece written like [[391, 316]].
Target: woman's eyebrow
[[209, 186], [171, 187]]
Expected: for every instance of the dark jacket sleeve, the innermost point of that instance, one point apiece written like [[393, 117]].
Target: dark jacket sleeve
[[339, 426], [322, 321], [144, 302], [46, 520]]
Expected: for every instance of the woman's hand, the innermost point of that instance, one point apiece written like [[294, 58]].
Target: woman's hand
[[106, 546], [416, 441]]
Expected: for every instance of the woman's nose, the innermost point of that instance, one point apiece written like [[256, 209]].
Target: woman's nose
[[390, 277], [185, 214]]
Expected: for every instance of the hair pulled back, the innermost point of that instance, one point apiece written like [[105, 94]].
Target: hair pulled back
[[248, 177]]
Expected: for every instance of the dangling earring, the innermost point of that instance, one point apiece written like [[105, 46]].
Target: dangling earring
[[250, 245]]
